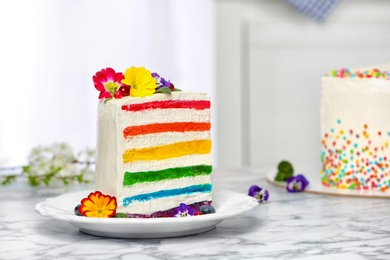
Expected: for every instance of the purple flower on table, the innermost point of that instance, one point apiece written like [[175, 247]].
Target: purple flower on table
[[161, 82], [183, 211], [297, 183], [258, 193]]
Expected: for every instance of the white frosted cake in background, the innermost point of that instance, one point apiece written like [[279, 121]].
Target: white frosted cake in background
[[154, 152], [355, 129]]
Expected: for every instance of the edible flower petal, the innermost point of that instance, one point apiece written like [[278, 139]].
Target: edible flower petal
[[160, 81], [258, 193], [183, 211], [140, 80], [98, 205], [297, 183], [107, 81]]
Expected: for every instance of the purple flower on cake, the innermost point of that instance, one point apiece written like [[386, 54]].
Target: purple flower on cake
[[183, 211], [258, 193], [297, 183], [160, 81], [163, 85]]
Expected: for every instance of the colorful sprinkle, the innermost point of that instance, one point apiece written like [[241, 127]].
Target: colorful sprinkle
[[345, 165], [346, 73]]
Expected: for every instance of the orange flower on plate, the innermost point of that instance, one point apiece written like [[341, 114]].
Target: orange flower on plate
[[98, 205]]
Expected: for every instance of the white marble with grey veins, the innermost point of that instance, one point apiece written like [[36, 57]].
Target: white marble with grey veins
[[288, 226]]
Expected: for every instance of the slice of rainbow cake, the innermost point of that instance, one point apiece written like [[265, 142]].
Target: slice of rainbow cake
[[154, 152]]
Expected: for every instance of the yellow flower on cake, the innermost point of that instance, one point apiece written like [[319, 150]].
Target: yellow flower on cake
[[140, 81]]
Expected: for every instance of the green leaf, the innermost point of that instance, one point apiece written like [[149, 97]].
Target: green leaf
[[65, 181], [79, 178], [164, 90], [285, 171], [176, 89], [285, 167], [46, 180], [280, 176], [8, 179], [121, 215], [26, 169], [33, 180]]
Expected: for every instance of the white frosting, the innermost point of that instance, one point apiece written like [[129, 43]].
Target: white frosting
[[111, 144], [163, 138], [156, 165], [164, 203], [354, 117], [164, 116], [141, 188]]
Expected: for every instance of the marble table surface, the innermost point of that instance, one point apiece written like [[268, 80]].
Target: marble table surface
[[288, 226]]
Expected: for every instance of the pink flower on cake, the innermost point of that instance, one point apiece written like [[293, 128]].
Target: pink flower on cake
[[108, 82], [98, 205], [141, 82]]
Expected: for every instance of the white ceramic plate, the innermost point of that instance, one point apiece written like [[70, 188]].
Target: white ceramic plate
[[227, 204], [315, 186]]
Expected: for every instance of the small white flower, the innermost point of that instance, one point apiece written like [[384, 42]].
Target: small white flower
[[58, 159]]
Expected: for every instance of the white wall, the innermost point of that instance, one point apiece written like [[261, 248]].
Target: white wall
[[51, 49], [270, 59]]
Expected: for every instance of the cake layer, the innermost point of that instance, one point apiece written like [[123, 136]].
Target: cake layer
[[132, 131], [165, 184], [169, 213], [169, 173], [199, 188], [168, 104], [167, 151], [166, 200]]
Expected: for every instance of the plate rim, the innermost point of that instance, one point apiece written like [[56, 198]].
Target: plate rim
[[74, 219]]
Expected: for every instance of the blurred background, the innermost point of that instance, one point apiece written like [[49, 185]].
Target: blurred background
[[261, 61], [51, 49]]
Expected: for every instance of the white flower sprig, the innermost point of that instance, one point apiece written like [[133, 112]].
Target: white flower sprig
[[54, 163]]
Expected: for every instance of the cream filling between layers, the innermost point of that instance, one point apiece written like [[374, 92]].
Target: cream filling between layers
[[148, 187], [155, 165], [150, 140], [170, 115]]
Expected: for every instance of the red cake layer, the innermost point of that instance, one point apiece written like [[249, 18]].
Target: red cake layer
[[166, 104]]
